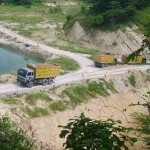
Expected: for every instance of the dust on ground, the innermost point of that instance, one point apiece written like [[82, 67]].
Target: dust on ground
[[46, 127], [101, 108], [8, 78]]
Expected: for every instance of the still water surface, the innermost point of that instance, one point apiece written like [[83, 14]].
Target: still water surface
[[12, 61]]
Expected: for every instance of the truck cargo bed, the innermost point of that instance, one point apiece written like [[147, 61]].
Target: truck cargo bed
[[137, 60], [44, 70], [103, 58]]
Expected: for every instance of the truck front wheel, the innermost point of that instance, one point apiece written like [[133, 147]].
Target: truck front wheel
[[30, 84], [95, 63], [102, 65]]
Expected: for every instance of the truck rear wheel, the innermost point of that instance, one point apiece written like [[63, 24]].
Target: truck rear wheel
[[50, 81], [30, 84], [102, 65], [45, 82]]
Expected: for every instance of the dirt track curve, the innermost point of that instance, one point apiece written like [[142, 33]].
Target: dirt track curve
[[87, 71]]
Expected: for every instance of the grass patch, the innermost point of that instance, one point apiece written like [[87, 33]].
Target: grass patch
[[33, 97], [36, 112], [19, 95], [120, 63], [78, 94], [145, 76], [12, 73], [101, 87], [58, 106], [90, 57], [81, 93], [131, 79], [11, 101], [26, 32], [1, 81], [98, 88], [66, 63], [82, 50], [109, 85]]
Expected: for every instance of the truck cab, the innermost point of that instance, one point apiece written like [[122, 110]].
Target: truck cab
[[25, 76]]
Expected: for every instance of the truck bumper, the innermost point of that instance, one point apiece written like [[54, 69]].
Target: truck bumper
[[21, 80]]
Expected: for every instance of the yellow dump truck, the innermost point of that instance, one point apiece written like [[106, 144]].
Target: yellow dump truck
[[103, 60], [38, 73], [138, 60]]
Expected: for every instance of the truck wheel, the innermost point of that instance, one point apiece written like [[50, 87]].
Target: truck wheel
[[102, 65], [50, 81], [44, 82], [29, 85], [115, 61], [95, 63]]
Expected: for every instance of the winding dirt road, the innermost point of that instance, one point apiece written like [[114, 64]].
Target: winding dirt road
[[87, 70]]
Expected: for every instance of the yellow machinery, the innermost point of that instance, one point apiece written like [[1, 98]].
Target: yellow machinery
[[44, 70], [101, 60], [38, 73], [137, 60]]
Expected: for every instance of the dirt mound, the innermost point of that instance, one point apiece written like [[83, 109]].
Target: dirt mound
[[120, 42], [112, 106], [8, 78]]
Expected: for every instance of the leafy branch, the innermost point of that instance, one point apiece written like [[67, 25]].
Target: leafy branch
[[85, 133]]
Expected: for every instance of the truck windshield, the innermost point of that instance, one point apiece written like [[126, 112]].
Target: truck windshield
[[22, 72]]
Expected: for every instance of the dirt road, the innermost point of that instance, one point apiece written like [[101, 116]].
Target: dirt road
[[46, 127], [87, 71], [80, 76]]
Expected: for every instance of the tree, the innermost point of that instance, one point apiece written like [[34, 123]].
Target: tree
[[143, 120], [13, 138], [145, 44], [117, 11], [19, 2], [85, 133], [1, 1]]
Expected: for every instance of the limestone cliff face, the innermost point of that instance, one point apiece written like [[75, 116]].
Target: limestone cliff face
[[119, 42]]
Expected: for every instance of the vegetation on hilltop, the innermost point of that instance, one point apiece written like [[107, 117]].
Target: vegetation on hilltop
[[20, 2], [111, 14]]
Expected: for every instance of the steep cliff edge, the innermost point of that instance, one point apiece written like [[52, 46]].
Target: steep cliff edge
[[118, 42]]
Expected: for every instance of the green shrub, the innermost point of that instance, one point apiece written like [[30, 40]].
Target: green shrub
[[12, 137], [114, 44], [83, 8], [77, 94], [98, 88], [101, 87], [98, 20], [58, 106], [36, 112], [33, 97], [88, 22], [69, 17], [12, 73], [9, 100], [131, 79], [84, 133], [66, 63], [109, 85], [54, 9]]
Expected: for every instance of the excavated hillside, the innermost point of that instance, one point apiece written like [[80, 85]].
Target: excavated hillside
[[45, 128], [118, 42]]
